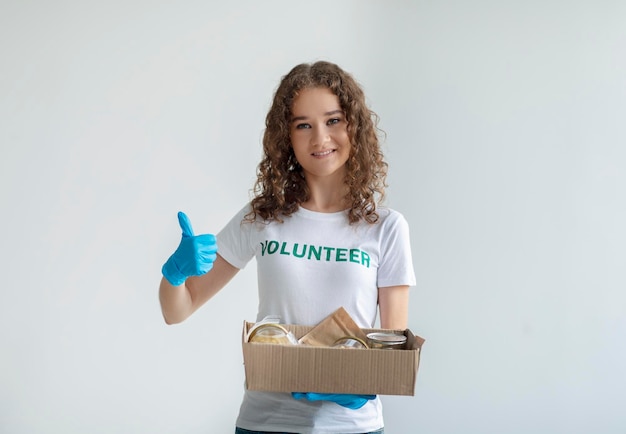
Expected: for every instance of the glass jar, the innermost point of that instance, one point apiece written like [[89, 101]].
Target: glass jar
[[271, 333], [386, 340], [350, 342]]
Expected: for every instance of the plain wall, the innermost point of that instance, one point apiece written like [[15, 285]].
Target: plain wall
[[506, 140]]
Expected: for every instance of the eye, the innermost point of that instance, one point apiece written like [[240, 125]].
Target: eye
[[333, 121], [302, 126]]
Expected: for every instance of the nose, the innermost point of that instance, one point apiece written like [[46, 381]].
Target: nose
[[320, 136]]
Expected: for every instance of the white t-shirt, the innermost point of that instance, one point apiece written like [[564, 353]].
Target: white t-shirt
[[309, 266]]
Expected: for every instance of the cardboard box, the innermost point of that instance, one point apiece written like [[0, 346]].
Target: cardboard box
[[301, 368]]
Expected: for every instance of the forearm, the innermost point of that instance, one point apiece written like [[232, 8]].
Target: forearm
[[179, 302], [176, 302], [393, 303]]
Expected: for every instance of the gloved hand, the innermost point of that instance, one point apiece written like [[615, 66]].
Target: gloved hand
[[353, 402], [193, 257]]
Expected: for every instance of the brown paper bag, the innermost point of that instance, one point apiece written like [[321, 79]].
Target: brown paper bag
[[335, 326]]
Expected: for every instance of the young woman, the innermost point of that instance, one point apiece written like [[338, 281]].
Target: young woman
[[317, 196]]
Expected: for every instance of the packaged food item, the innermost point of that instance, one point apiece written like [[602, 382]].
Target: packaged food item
[[350, 342], [269, 331], [333, 327], [386, 340]]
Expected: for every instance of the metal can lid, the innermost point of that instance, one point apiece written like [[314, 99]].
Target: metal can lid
[[386, 338]]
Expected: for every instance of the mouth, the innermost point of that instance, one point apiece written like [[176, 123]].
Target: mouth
[[323, 153]]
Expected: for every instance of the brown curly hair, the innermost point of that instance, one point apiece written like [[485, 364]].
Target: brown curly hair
[[280, 187]]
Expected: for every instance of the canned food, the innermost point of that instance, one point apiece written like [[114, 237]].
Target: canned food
[[350, 342], [386, 340], [271, 333]]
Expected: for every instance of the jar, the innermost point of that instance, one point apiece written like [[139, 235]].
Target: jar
[[386, 340], [271, 333], [350, 342]]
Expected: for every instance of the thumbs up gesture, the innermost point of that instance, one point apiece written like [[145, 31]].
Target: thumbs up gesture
[[193, 257]]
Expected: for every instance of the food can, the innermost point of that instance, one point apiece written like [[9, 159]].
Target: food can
[[271, 333], [386, 340], [350, 342]]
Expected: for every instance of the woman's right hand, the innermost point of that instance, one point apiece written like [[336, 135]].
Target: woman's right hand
[[193, 257]]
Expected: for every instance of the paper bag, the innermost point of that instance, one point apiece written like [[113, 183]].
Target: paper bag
[[335, 326]]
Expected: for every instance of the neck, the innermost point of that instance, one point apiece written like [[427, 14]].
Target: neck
[[326, 196]]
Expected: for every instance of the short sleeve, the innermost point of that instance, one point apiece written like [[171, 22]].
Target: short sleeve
[[396, 262], [234, 242]]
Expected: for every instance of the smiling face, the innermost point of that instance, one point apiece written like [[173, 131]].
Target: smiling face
[[319, 135]]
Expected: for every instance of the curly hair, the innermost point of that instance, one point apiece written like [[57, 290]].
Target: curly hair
[[280, 187]]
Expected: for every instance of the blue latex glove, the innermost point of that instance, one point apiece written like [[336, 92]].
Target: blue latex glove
[[353, 402], [193, 257]]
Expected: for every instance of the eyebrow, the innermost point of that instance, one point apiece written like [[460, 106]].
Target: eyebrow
[[303, 118]]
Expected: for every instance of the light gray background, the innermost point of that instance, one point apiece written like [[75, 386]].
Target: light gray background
[[506, 141]]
